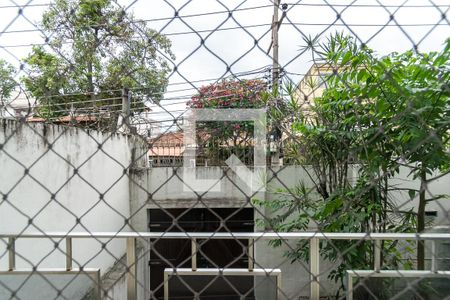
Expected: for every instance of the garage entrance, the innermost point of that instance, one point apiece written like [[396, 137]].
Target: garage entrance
[[212, 254]]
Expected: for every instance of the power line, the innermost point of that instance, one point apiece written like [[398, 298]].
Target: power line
[[162, 33], [185, 96], [163, 19], [25, 6], [240, 27], [242, 9], [208, 13], [262, 6], [367, 5]]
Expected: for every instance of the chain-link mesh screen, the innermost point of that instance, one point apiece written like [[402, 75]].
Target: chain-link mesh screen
[[224, 149]]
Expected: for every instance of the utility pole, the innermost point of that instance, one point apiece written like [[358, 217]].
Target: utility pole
[[276, 132], [124, 118], [125, 105], [275, 64], [274, 42], [126, 101]]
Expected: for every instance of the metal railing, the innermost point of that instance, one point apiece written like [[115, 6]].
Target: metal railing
[[314, 256]]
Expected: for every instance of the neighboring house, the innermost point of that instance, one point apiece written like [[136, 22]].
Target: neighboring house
[[312, 85], [19, 105], [82, 120], [314, 82], [166, 149]]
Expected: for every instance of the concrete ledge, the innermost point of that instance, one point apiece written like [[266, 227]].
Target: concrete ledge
[[58, 271], [220, 271]]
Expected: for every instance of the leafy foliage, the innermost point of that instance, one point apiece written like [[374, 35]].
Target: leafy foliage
[[383, 113], [7, 82], [233, 137], [95, 50]]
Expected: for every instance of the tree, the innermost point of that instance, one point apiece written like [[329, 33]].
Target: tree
[[419, 118], [326, 141], [221, 139], [406, 120], [95, 49], [7, 82], [386, 112]]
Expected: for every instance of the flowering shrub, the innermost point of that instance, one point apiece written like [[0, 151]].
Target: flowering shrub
[[229, 137], [230, 94]]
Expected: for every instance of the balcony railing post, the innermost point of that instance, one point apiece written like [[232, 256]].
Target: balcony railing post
[[279, 286], [349, 286], [377, 256], [131, 267], [68, 254], [166, 286], [97, 288], [12, 253], [251, 263], [433, 256], [194, 254], [314, 267]]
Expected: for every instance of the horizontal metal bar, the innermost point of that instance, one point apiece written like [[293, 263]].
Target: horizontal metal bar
[[397, 273], [227, 272], [236, 235], [51, 271]]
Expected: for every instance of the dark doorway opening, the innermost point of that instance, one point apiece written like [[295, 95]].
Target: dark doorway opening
[[213, 253]]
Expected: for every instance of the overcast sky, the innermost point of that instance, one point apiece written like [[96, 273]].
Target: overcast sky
[[233, 41]]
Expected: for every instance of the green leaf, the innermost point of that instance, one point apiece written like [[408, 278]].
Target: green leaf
[[347, 56], [412, 194]]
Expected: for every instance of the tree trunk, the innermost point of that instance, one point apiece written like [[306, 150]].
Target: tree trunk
[[421, 221], [91, 66], [91, 81]]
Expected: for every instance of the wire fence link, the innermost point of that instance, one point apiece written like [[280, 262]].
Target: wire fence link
[[224, 149]]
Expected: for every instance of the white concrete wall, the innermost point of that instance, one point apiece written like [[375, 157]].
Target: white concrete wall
[[166, 189], [118, 290], [50, 197], [440, 186], [45, 286], [225, 185]]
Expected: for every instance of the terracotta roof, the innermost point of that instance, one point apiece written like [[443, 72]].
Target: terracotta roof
[[173, 139], [65, 119], [172, 144], [166, 151], [168, 139], [167, 144]]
